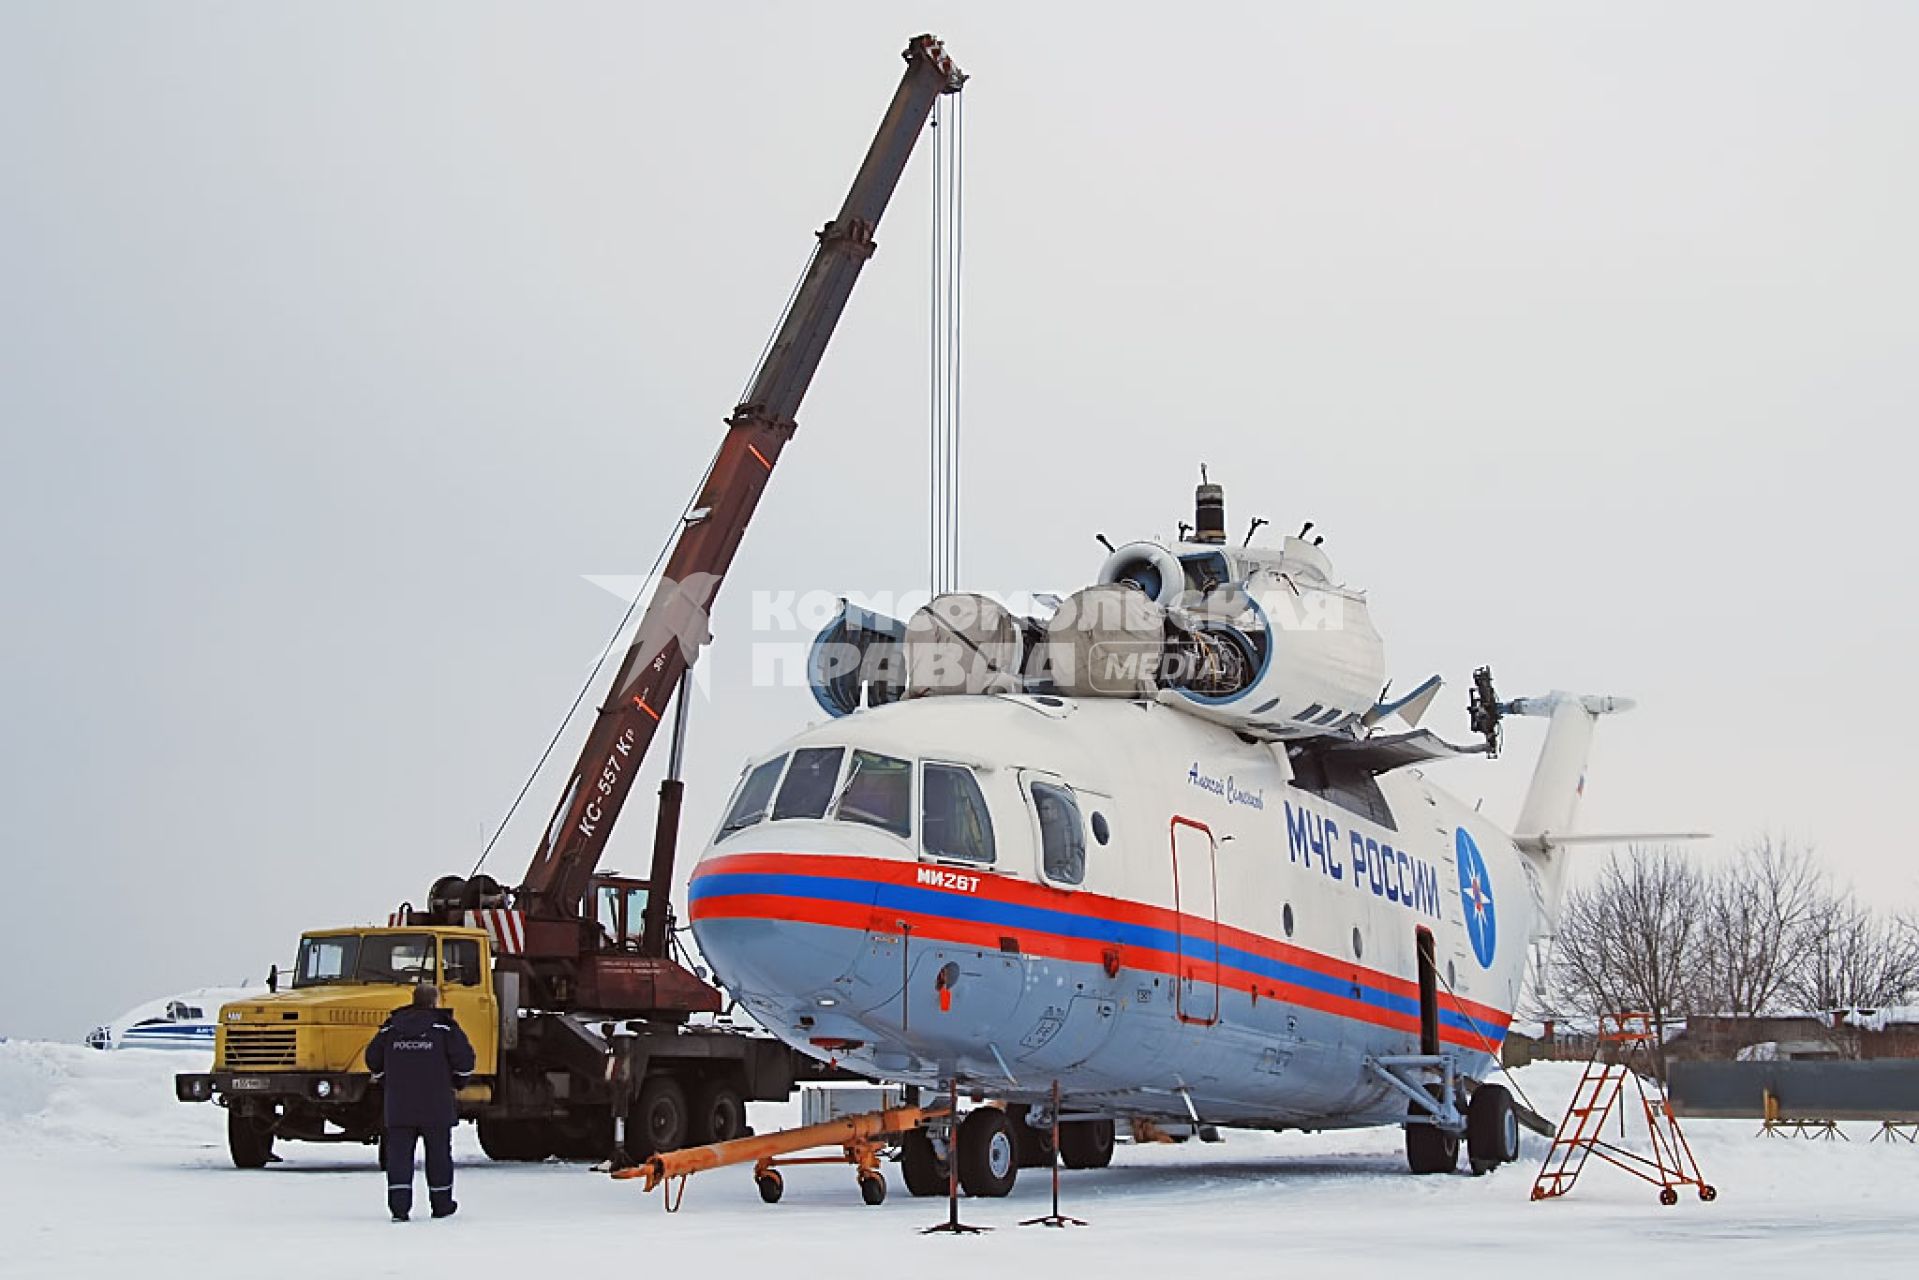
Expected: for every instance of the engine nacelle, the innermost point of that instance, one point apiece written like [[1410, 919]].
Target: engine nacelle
[[1255, 638]]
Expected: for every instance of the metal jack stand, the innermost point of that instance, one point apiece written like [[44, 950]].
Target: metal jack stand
[[952, 1225], [1055, 1218]]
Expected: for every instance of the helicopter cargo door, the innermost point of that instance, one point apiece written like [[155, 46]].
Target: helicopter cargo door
[[1196, 902]]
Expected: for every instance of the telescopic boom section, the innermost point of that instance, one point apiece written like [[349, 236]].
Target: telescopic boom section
[[674, 626]]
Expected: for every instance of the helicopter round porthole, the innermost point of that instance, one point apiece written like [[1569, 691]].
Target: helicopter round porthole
[[1286, 918], [1102, 831], [1359, 944]]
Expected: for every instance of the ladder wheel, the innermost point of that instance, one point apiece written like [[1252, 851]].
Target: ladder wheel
[[873, 1188], [1708, 1192], [771, 1185], [1668, 1197]]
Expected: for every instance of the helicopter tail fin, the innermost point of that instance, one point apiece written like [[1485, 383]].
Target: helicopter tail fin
[[1559, 782], [1559, 779]]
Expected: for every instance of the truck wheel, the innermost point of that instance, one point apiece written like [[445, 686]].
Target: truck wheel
[[658, 1121], [514, 1139], [921, 1168], [988, 1153], [249, 1140], [1492, 1129], [586, 1134], [719, 1115], [1087, 1144]]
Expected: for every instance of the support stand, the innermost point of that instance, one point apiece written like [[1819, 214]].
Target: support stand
[[953, 1225], [1055, 1218]]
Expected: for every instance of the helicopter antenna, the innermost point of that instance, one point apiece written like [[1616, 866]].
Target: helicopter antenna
[[1102, 540], [1253, 529]]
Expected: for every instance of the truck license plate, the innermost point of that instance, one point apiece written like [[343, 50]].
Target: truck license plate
[[252, 1083]]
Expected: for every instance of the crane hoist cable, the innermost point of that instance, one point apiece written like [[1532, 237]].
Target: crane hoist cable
[[943, 443]]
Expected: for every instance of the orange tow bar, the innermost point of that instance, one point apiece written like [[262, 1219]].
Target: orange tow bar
[[860, 1138]]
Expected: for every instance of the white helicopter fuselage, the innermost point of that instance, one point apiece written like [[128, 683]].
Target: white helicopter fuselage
[[1231, 944]]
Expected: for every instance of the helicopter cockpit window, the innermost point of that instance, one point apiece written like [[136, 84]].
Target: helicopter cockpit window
[[954, 820], [755, 795], [397, 957], [1062, 837], [878, 792], [808, 788]]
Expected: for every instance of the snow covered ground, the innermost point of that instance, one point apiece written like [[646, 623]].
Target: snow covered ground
[[103, 1174]]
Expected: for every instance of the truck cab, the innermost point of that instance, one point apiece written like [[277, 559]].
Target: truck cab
[[293, 1063]]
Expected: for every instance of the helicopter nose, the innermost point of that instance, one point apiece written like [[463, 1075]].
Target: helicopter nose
[[773, 925]]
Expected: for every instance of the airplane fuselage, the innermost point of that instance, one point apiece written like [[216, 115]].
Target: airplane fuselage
[[1159, 915]]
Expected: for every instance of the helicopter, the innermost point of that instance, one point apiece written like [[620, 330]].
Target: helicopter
[[1164, 853]]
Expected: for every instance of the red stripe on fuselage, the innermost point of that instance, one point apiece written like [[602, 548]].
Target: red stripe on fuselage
[[1005, 889]]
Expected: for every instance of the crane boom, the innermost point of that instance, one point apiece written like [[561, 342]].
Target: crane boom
[[673, 628]]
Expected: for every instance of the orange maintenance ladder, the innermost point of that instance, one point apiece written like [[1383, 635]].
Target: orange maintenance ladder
[[1670, 1165]]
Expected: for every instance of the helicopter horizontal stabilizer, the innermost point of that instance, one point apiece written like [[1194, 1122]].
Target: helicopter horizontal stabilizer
[[1546, 841]]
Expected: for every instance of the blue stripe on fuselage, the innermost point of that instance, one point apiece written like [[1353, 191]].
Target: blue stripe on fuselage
[[981, 910]]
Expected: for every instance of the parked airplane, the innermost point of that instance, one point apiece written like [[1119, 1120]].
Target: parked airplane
[[1156, 848], [182, 1021]]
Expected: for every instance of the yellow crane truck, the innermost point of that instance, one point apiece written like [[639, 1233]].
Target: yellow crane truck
[[593, 1039]]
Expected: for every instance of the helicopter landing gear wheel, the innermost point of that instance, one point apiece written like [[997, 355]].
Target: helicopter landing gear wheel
[[988, 1156]]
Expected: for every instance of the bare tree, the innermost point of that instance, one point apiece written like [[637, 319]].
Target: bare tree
[[1850, 958], [1632, 940], [1759, 910]]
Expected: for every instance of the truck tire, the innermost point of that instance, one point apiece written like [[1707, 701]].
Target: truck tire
[[988, 1153], [249, 1139], [1087, 1144], [718, 1115], [585, 1134], [658, 1120], [521, 1140]]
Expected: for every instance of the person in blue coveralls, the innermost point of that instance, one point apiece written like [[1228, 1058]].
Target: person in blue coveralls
[[422, 1058]]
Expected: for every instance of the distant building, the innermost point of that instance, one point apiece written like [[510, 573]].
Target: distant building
[[1833, 1035]]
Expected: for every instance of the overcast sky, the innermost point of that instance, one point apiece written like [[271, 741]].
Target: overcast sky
[[341, 344]]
